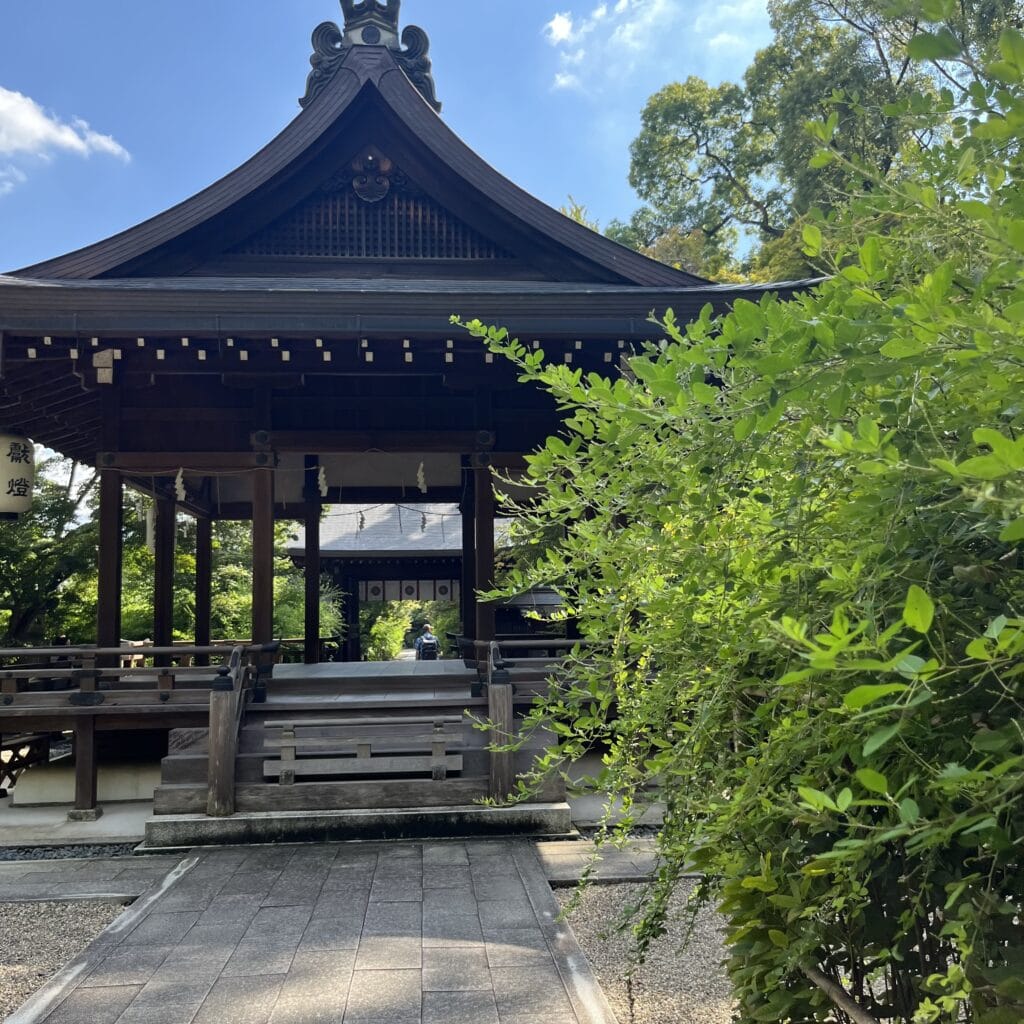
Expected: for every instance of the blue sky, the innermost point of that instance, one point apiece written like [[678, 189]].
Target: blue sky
[[113, 110]]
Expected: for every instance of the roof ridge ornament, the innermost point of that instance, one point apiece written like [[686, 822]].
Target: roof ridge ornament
[[370, 23]]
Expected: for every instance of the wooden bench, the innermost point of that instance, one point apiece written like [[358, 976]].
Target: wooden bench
[[365, 746]]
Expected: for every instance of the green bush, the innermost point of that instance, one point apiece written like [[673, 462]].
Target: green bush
[[795, 544], [384, 627]]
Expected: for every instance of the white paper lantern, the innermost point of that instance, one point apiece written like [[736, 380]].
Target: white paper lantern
[[17, 474]]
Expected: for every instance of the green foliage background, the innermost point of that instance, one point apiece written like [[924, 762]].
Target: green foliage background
[[48, 572], [725, 170], [389, 627], [795, 549]]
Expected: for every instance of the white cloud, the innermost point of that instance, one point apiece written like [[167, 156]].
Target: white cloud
[[567, 80], [559, 29], [725, 41], [715, 38], [28, 131], [648, 19], [10, 179], [97, 143], [731, 14]]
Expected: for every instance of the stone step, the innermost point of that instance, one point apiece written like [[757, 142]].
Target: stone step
[[328, 796], [372, 682], [341, 704], [176, 831]]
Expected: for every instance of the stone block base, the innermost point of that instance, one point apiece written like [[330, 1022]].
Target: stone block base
[[186, 830], [92, 814]]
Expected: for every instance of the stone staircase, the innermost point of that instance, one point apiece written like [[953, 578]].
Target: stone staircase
[[347, 694]]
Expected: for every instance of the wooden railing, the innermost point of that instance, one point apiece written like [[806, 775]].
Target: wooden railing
[[238, 682], [501, 697], [288, 647], [74, 688], [503, 726], [52, 678]]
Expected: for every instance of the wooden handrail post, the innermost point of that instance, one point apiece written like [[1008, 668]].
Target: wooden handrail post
[[501, 715], [88, 676], [499, 706], [220, 802]]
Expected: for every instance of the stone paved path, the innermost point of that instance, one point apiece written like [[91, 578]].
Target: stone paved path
[[432, 933], [565, 861], [85, 878]]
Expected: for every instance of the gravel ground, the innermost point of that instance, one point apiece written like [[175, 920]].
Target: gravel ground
[[10, 853], [673, 986], [38, 939]]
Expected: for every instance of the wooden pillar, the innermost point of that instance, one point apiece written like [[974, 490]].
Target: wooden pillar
[[468, 584], [484, 519], [312, 568], [86, 771], [262, 556], [111, 547], [204, 584], [223, 745], [165, 529], [500, 713], [353, 640]]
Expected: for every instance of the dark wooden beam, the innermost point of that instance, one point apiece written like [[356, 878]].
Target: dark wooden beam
[[156, 463], [194, 504], [204, 583], [241, 511], [164, 535], [111, 544], [382, 440], [467, 594], [86, 772], [312, 562], [171, 414], [262, 556], [484, 520]]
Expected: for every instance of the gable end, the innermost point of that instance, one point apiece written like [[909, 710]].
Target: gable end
[[360, 215]]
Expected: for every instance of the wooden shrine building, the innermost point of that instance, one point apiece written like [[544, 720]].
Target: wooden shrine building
[[409, 551], [282, 339]]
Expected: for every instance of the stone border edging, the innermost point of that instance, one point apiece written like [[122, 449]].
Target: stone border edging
[[45, 999], [588, 999]]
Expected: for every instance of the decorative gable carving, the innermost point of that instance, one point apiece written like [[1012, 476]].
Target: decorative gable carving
[[371, 210], [370, 23]]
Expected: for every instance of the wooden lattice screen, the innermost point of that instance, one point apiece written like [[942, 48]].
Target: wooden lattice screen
[[400, 226]]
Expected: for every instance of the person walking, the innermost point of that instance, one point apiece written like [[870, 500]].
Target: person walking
[[427, 644]]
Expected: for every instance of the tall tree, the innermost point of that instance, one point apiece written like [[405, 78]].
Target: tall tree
[[735, 159], [43, 551]]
